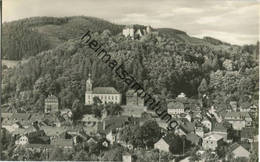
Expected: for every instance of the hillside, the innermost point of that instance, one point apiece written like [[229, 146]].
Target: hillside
[[164, 64]]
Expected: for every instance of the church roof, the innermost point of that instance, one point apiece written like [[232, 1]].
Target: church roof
[[105, 90]]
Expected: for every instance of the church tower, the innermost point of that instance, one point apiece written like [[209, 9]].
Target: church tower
[[88, 93]]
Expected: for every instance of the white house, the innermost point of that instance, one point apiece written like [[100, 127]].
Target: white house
[[22, 140], [162, 145]]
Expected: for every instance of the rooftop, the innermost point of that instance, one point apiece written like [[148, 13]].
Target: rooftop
[[105, 90], [213, 137], [175, 105]]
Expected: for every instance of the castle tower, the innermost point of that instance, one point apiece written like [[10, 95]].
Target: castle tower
[[88, 93]]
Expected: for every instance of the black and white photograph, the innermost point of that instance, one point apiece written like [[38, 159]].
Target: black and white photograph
[[129, 81]]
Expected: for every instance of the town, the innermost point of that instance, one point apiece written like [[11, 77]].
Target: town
[[60, 102], [205, 129]]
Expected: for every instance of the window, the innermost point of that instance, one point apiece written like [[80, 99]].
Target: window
[[112, 97], [109, 97]]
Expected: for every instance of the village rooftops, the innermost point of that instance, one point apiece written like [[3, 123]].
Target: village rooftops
[[105, 90]]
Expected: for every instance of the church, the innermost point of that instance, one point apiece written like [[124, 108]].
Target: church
[[105, 94]]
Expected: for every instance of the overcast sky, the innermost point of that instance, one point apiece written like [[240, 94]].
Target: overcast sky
[[233, 21]]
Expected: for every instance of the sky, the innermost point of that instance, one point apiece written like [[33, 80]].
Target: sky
[[232, 21]]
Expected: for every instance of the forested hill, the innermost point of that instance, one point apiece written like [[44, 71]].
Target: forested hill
[[27, 37], [166, 64]]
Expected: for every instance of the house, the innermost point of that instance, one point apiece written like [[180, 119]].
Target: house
[[237, 150], [163, 145], [238, 120], [175, 108], [104, 94], [212, 141], [51, 104], [22, 140]]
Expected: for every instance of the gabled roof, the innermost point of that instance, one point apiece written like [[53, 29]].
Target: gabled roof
[[105, 90], [21, 116], [175, 105], [235, 146], [213, 137], [219, 127], [53, 131]]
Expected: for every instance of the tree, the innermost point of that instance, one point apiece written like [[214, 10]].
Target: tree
[[149, 133], [113, 109], [203, 88]]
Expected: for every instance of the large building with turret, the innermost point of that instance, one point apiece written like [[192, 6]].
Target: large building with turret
[[104, 94]]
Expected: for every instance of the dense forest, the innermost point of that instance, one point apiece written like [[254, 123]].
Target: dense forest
[[166, 62]]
